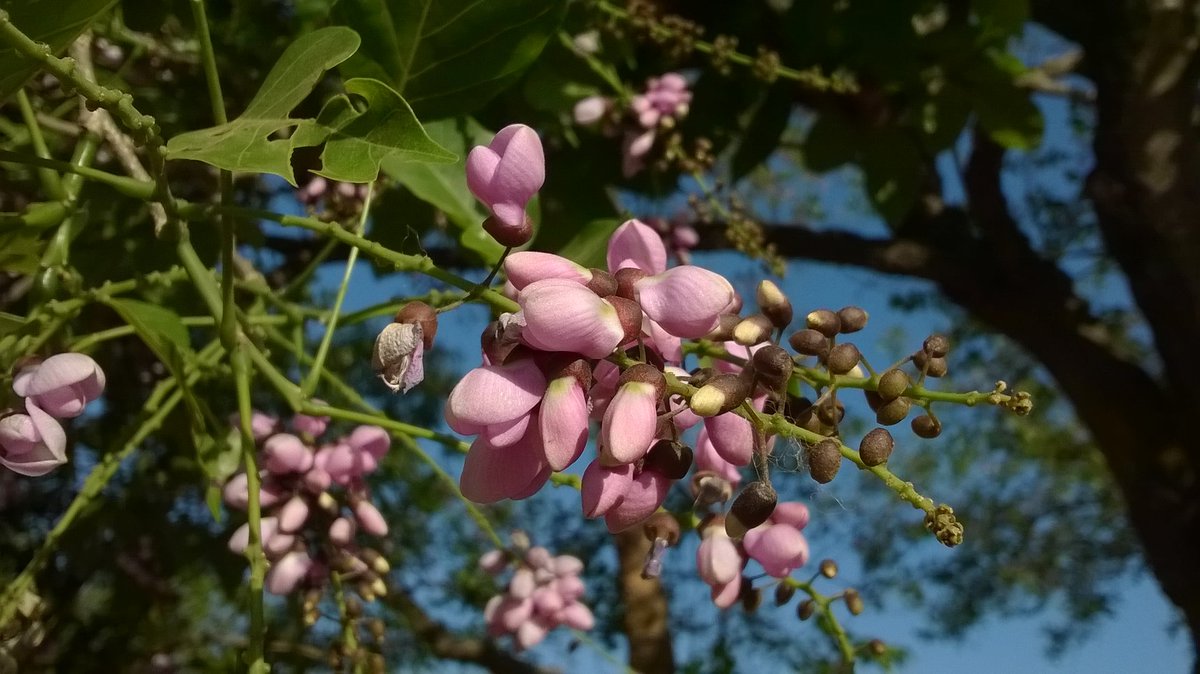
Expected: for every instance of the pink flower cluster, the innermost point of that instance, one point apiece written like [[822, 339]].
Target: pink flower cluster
[[33, 442], [544, 592], [665, 101], [777, 545], [333, 199], [307, 528], [544, 376]]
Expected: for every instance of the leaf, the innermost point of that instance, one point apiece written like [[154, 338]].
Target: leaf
[[445, 185], [159, 327], [54, 22], [1006, 111], [762, 133], [1006, 17], [356, 143], [245, 144], [892, 163], [10, 323], [449, 57], [589, 246], [830, 143], [20, 251]]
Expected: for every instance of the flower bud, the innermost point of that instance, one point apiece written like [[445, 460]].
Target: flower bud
[[936, 346], [721, 394], [809, 342], [784, 593], [773, 365], [843, 358], [626, 278], [853, 601], [753, 330], [773, 304], [829, 568], [751, 508], [933, 366], [893, 412], [853, 319], [926, 426], [645, 374], [672, 459], [893, 384], [831, 412], [725, 327], [824, 460], [876, 447], [877, 648], [806, 609], [825, 322]]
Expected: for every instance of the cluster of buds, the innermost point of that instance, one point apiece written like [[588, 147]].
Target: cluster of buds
[[32, 442], [309, 527], [543, 592], [775, 542], [331, 199], [665, 101]]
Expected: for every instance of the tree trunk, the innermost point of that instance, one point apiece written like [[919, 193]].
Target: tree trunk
[[645, 619]]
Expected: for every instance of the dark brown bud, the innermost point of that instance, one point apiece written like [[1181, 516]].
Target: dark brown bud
[[876, 447], [626, 277], [853, 319], [843, 358], [751, 508], [420, 313], [630, 315], [831, 412], [824, 460], [829, 568], [720, 394], [509, 237], [774, 304], [784, 593], [644, 373], [893, 384], [773, 364], [806, 609], [874, 400], [933, 366], [809, 342], [936, 345], [825, 322], [602, 283], [662, 525], [669, 458], [702, 375], [926, 426], [752, 330], [853, 601], [877, 648], [751, 596], [893, 412], [724, 330]]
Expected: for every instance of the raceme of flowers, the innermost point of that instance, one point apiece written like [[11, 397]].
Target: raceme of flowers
[[665, 101], [32, 442], [314, 501]]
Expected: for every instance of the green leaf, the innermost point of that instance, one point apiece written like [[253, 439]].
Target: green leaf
[[10, 323], [356, 143], [445, 185], [892, 163], [20, 251], [830, 143], [246, 143], [590, 245], [762, 133], [1006, 17], [219, 456], [449, 57], [54, 22], [159, 327]]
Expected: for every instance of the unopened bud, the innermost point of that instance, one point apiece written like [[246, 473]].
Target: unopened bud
[[644, 373], [829, 568], [773, 365], [877, 648], [773, 304], [936, 345], [751, 597], [926, 426], [379, 588], [825, 322], [893, 384], [753, 330], [853, 319], [721, 394], [831, 412], [933, 366], [376, 561], [751, 508], [843, 358], [806, 609], [784, 593], [853, 601], [327, 503], [809, 342], [669, 458], [725, 326], [824, 460], [876, 447], [893, 412]]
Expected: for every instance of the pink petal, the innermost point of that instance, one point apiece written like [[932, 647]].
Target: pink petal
[[370, 520], [604, 386], [286, 573], [293, 515], [508, 432], [341, 532], [547, 601], [590, 110], [792, 513], [481, 167], [732, 437], [636, 244], [284, 453], [685, 300], [717, 558], [34, 444], [568, 565], [629, 423], [604, 487], [578, 617], [531, 633], [491, 474], [645, 495], [570, 587], [668, 346], [370, 439], [522, 167], [525, 267], [513, 612], [495, 393], [314, 426], [779, 548], [707, 458], [562, 315], [564, 419], [62, 370], [724, 596]]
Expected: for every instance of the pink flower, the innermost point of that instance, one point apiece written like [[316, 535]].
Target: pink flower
[[494, 394], [285, 453], [686, 301], [779, 548], [635, 244], [564, 419], [62, 384], [526, 266], [32, 444], [646, 493], [717, 559], [603, 487], [590, 110], [491, 474], [287, 572], [506, 174], [629, 423], [562, 315], [732, 437], [792, 513], [313, 426]]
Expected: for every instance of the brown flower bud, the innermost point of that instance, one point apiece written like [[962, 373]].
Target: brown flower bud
[[773, 365], [751, 508], [752, 330], [843, 358], [853, 601], [506, 236], [853, 319], [809, 342], [669, 458], [831, 412], [936, 345], [893, 384], [824, 460], [876, 447], [825, 322], [645, 374], [926, 426], [420, 313], [630, 315], [774, 304], [829, 568], [602, 283], [933, 366], [784, 593], [877, 648], [751, 596], [724, 330], [874, 400], [662, 525], [893, 412], [806, 609], [719, 395]]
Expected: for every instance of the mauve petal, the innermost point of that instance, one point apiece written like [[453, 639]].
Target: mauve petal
[[18, 435], [286, 573], [792, 513], [522, 167], [636, 244], [603, 487], [724, 596], [513, 612], [64, 369], [415, 373], [604, 386], [496, 393], [564, 420], [341, 532], [284, 453], [570, 587], [672, 82], [491, 474], [547, 601], [568, 565], [535, 485], [525, 267], [637, 146], [293, 515], [370, 439], [508, 432], [629, 423], [645, 495], [779, 548], [370, 520], [735, 349], [589, 110], [531, 633], [732, 437], [65, 402], [314, 426], [50, 432], [522, 584], [565, 316], [686, 300], [717, 559], [481, 166], [578, 617], [668, 346], [509, 214], [707, 458]]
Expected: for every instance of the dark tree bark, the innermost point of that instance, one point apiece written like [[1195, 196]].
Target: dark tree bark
[[645, 620]]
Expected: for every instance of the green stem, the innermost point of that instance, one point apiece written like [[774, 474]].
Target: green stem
[[130, 187], [828, 621], [51, 184], [254, 552]]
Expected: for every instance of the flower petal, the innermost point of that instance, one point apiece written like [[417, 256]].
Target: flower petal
[[527, 266], [494, 394], [732, 437], [629, 423], [779, 548], [636, 244], [604, 487], [646, 493], [562, 315], [564, 419], [685, 300]]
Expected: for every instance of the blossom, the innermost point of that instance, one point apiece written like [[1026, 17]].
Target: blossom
[[62, 384], [505, 175], [32, 444]]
